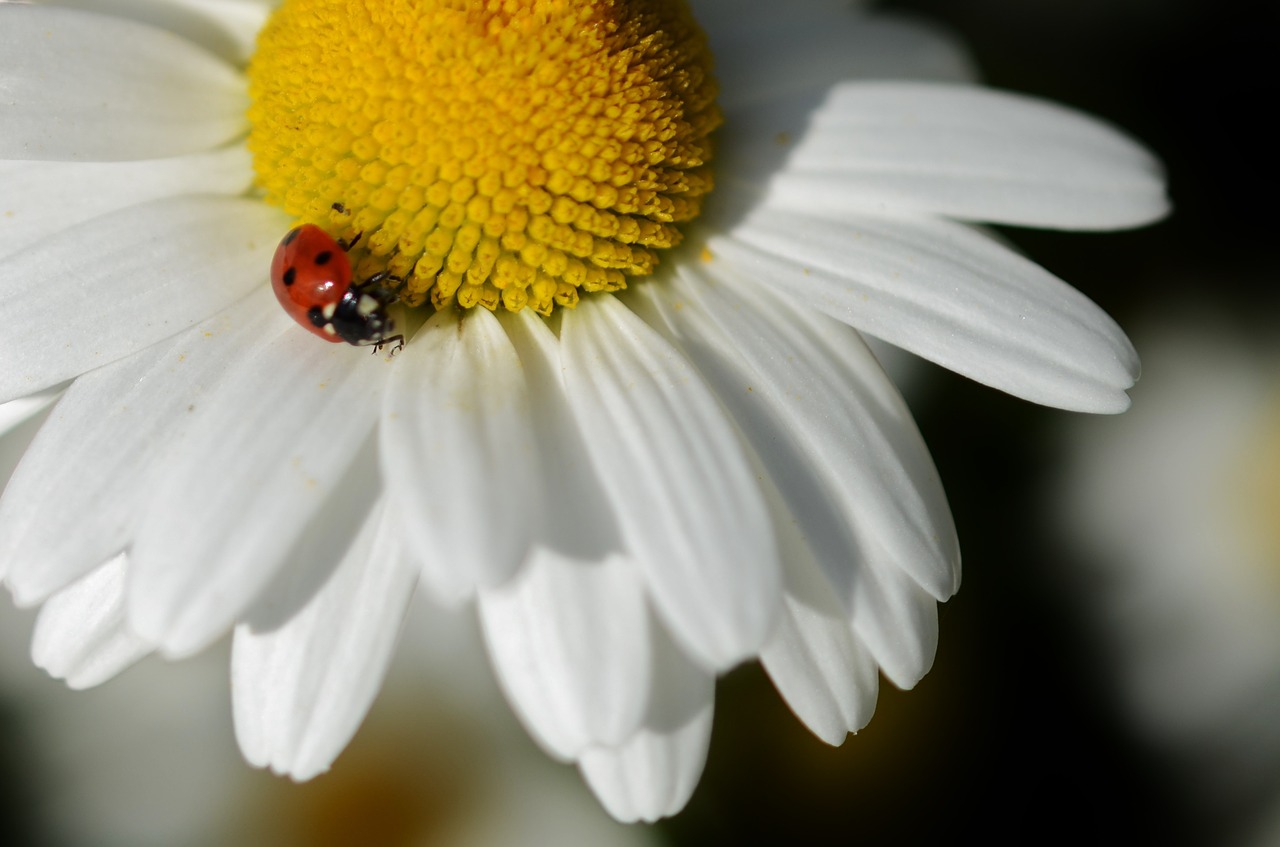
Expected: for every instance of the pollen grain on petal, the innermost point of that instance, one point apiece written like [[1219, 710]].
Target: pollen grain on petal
[[505, 153]]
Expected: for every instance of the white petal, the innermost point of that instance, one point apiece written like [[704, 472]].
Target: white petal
[[855, 485], [831, 430], [18, 428], [301, 690], [44, 198], [121, 282], [893, 621], [226, 28], [458, 453], [80, 634], [80, 85], [570, 643], [897, 621], [682, 488], [654, 773], [266, 450], [949, 294], [819, 666], [582, 524], [828, 678], [76, 497], [323, 542], [967, 152]]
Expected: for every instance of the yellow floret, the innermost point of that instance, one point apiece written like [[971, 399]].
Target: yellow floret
[[504, 153]]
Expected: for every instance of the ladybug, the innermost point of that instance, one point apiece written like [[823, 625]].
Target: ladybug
[[311, 276]]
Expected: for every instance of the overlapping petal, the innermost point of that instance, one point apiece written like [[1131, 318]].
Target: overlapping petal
[[947, 293], [829, 427], [121, 282], [965, 152], [17, 412], [570, 642], [86, 86], [77, 496], [271, 443], [461, 464], [45, 198], [835, 439], [671, 463], [578, 521], [301, 688], [819, 665], [654, 772], [81, 635]]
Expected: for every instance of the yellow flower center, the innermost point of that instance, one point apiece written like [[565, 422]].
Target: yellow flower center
[[487, 152]]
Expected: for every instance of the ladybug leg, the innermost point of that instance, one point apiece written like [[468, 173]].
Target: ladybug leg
[[397, 339], [347, 245], [376, 283]]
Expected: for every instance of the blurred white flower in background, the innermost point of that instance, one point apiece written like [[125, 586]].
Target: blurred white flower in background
[[1174, 510]]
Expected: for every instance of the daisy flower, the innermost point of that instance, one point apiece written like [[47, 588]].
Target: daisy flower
[[1175, 508], [635, 424]]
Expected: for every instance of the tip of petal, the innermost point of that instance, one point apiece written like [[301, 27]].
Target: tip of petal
[[1106, 395]]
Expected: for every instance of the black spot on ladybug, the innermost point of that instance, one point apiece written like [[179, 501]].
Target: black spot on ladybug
[[292, 234], [323, 257], [289, 276]]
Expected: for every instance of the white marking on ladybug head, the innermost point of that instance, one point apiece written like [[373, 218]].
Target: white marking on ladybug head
[[329, 329], [328, 310], [367, 306]]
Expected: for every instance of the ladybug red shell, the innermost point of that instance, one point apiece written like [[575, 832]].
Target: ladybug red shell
[[311, 276]]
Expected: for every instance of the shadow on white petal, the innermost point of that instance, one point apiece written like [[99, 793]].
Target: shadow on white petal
[[819, 666], [327, 540], [897, 621], [17, 413], [76, 498], [459, 454], [302, 687], [854, 481], [680, 483], [823, 419], [20, 422], [579, 521], [570, 643], [653, 774], [263, 454]]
